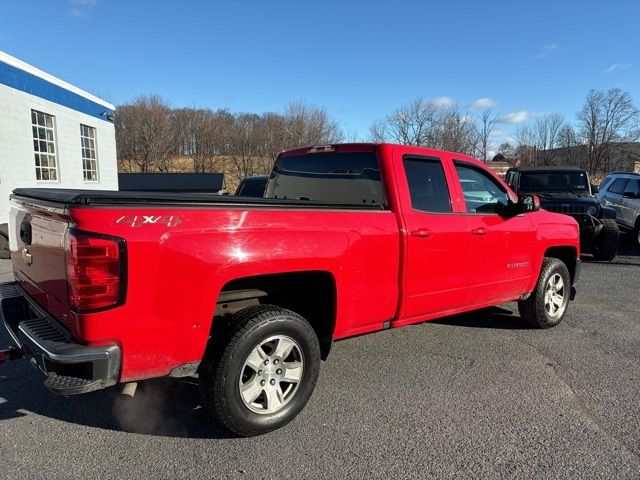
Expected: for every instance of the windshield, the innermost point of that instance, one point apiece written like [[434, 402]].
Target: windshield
[[574, 181], [336, 177]]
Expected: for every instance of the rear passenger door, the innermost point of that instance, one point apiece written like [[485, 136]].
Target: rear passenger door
[[630, 203], [435, 269], [613, 195]]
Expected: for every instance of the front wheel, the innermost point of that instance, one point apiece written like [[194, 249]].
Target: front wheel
[[263, 372], [547, 304], [605, 246]]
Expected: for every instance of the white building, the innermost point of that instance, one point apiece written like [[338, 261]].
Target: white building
[[52, 134]]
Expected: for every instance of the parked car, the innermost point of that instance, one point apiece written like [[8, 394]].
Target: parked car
[[621, 191], [116, 287], [567, 190], [252, 186]]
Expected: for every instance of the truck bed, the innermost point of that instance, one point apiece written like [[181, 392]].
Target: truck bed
[[114, 197]]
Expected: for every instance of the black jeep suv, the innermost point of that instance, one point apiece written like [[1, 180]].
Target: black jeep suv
[[567, 190]]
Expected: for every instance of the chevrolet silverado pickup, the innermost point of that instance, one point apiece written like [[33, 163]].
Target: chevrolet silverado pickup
[[249, 293]]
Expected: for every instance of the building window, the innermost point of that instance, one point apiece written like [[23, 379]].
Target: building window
[[44, 146], [89, 158]]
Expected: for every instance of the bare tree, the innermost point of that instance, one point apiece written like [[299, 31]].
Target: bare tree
[[607, 117], [143, 131], [429, 124], [506, 150], [309, 125], [412, 124], [454, 131], [526, 150], [378, 131], [244, 138], [485, 129], [546, 130], [571, 151]]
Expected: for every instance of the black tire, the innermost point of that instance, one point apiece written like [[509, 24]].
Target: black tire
[[224, 363], [636, 233], [605, 246], [534, 309]]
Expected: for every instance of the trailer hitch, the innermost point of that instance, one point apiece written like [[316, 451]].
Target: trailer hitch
[[11, 353]]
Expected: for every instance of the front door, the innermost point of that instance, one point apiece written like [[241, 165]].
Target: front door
[[500, 248]]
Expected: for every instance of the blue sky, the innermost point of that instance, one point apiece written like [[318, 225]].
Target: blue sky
[[359, 59]]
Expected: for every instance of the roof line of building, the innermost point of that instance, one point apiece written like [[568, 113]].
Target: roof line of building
[[8, 59]]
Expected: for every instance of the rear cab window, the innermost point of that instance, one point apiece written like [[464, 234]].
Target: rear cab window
[[348, 178]]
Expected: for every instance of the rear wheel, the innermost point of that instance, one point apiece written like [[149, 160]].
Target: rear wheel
[[547, 304], [261, 374], [605, 246]]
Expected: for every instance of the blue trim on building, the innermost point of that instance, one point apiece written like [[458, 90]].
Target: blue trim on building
[[29, 83]]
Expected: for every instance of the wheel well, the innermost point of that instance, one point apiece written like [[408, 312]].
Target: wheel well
[[311, 294], [568, 255]]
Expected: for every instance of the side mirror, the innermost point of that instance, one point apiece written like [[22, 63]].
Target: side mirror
[[594, 188], [528, 203]]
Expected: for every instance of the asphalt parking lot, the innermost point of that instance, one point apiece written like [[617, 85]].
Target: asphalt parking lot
[[476, 395]]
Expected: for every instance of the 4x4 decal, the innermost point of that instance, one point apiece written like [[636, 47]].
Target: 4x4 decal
[[144, 220]]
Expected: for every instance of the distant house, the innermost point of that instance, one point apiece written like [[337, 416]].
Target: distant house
[[172, 182], [52, 134]]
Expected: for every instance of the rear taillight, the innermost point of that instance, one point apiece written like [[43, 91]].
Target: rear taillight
[[96, 271]]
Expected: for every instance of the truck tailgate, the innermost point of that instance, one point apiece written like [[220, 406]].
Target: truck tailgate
[[37, 237]]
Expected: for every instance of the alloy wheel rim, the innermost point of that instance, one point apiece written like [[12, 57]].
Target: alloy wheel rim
[[554, 295], [271, 374]]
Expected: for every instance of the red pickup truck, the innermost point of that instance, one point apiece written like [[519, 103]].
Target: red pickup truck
[[250, 293]]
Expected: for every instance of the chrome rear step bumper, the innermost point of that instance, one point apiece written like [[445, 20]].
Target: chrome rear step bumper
[[70, 368]]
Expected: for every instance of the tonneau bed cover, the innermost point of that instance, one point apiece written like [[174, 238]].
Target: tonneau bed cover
[[110, 197]]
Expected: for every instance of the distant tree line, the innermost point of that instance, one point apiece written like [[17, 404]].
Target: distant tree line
[[153, 137], [600, 139]]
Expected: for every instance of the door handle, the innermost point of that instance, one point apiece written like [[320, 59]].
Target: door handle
[[480, 231], [422, 233]]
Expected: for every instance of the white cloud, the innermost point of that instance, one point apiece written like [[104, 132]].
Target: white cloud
[[443, 101], [617, 66], [547, 50], [515, 117], [481, 103], [81, 8]]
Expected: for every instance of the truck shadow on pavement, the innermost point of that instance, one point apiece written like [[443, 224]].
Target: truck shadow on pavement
[[161, 407], [490, 318]]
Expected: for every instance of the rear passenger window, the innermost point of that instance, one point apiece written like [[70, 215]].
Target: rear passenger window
[[632, 190], [618, 186], [427, 185], [605, 182]]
